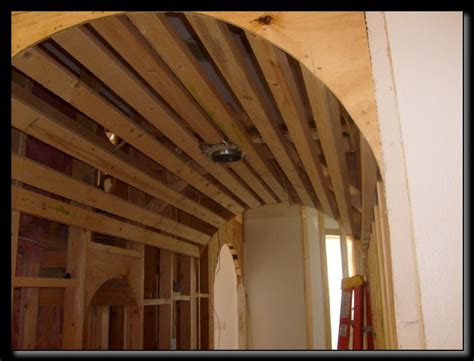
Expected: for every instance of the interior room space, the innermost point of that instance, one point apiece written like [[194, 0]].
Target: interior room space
[[237, 181]]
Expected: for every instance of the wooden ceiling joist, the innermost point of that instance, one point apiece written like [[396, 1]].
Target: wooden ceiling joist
[[128, 42], [52, 209], [40, 120], [167, 43], [277, 73], [51, 74], [80, 43], [42, 177], [326, 114], [228, 57]]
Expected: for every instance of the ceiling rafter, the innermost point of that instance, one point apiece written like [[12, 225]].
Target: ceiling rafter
[[167, 43], [42, 121], [228, 57], [278, 75], [79, 42]]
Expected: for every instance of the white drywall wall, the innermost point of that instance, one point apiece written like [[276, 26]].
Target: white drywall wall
[[225, 302], [421, 129], [274, 276]]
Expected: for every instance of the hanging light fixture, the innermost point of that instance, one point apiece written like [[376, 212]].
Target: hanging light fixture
[[224, 152]]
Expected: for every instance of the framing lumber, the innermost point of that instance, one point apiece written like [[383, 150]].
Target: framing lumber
[[113, 250], [126, 40], [79, 42], [307, 279], [165, 292], [325, 279], [52, 209], [344, 255], [15, 224], [277, 73], [114, 297], [51, 74], [326, 114], [36, 118], [368, 188], [42, 282], [73, 319], [166, 42], [229, 58], [55, 258], [42, 177]]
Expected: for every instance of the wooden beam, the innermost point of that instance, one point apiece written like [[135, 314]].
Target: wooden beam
[[52, 209], [325, 279], [128, 42], [167, 43], [165, 292], [14, 247], [42, 121], [156, 301], [327, 117], [42, 282], [277, 72], [368, 187], [104, 317], [113, 250], [114, 297], [79, 42], [307, 279], [42, 177], [344, 255], [51, 297], [229, 58]]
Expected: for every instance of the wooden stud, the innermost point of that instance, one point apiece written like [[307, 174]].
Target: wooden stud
[[326, 114], [74, 298], [325, 280], [277, 73], [14, 247], [165, 292], [58, 211], [307, 280], [368, 187], [167, 43], [42, 121], [344, 255], [104, 315], [229, 58], [36, 282]]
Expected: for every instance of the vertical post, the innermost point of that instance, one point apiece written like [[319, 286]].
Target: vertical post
[[325, 280], [126, 327], [74, 297], [185, 307], [345, 263], [14, 244], [166, 292], [104, 316], [193, 302], [307, 279]]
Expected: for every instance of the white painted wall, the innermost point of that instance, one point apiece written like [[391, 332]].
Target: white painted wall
[[420, 115], [274, 274], [225, 302]]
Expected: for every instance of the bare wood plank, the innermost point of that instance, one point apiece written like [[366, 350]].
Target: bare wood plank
[[165, 291], [42, 282], [40, 176], [42, 121], [277, 72], [79, 42], [326, 114], [52, 209], [14, 247], [229, 58], [113, 250], [156, 301], [104, 317], [167, 43], [307, 279], [368, 187], [325, 279], [126, 40], [137, 312], [193, 301], [114, 297], [344, 255], [53, 259]]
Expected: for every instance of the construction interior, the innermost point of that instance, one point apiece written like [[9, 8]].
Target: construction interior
[[120, 218]]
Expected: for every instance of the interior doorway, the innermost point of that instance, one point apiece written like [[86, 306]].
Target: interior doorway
[[225, 302]]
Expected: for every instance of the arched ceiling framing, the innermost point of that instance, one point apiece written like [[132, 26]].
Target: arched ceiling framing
[[163, 83]]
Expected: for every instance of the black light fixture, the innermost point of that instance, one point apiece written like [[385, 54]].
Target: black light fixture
[[224, 152]]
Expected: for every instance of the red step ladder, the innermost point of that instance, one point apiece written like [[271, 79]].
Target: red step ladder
[[358, 286]]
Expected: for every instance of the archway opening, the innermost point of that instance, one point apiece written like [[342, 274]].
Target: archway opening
[[107, 320], [225, 302]]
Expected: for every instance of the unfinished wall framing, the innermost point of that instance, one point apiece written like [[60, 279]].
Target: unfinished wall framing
[[118, 218]]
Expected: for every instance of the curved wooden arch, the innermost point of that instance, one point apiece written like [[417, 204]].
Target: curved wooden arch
[[332, 45]]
